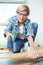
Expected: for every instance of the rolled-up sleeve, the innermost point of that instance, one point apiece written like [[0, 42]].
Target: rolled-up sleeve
[[29, 29]]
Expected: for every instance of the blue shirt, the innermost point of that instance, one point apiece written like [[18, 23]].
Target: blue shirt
[[13, 27]]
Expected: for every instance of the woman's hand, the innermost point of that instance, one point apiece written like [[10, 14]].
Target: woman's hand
[[33, 53], [8, 34]]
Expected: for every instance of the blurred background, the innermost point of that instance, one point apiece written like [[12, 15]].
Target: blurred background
[[8, 9]]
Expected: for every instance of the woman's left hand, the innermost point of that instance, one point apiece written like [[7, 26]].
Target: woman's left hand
[[33, 53]]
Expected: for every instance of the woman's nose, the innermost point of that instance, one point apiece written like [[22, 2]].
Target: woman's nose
[[22, 16]]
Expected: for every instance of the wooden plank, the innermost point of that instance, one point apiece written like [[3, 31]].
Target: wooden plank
[[22, 58], [25, 64], [22, 55]]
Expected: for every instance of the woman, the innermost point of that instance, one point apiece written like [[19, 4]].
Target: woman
[[23, 31]]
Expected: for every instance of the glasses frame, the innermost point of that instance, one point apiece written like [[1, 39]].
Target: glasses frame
[[22, 14]]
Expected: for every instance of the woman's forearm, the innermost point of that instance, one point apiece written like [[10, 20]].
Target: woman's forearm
[[30, 40]]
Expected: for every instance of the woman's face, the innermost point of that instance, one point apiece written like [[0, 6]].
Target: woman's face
[[22, 16]]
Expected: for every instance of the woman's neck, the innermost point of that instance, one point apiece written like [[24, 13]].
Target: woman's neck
[[19, 23]]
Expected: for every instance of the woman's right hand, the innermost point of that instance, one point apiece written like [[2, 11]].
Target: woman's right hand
[[8, 34]]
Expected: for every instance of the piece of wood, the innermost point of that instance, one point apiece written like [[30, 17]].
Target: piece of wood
[[25, 63], [23, 54], [22, 58]]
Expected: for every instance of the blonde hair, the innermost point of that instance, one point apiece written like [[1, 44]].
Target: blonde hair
[[23, 8]]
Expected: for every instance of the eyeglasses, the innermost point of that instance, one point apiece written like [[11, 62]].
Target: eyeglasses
[[22, 14]]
